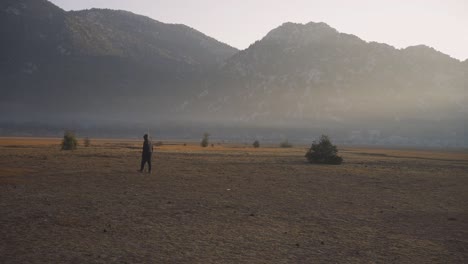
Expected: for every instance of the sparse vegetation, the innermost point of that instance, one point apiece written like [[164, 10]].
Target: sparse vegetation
[[86, 142], [244, 191], [256, 144], [205, 141], [286, 144], [323, 152], [69, 141], [159, 143]]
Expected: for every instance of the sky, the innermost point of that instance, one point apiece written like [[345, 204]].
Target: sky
[[441, 24]]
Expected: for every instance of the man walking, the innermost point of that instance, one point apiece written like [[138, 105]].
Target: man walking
[[146, 154]]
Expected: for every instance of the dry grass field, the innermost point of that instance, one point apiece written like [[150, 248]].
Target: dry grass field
[[229, 204]]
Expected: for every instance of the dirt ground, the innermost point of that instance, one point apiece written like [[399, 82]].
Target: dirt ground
[[229, 204]]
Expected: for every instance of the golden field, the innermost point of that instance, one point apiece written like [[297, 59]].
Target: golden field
[[229, 204]]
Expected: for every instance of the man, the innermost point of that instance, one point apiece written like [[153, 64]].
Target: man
[[146, 154]]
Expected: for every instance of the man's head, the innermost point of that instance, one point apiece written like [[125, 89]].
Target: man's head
[[145, 136]]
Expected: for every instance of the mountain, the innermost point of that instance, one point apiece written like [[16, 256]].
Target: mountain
[[314, 77], [108, 61], [99, 65], [313, 72], [123, 34]]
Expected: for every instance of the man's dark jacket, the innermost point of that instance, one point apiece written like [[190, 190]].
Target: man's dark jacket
[[147, 147]]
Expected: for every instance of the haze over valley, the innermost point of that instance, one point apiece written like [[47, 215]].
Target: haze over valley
[[113, 73], [128, 139]]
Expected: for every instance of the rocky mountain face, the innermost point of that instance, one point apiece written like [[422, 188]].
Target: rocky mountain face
[[312, 76], [102, 61], [114, 65], [313, 72]]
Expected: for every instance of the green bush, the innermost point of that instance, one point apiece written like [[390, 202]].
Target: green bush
[[286, 144], [205, 141], [323, 152], [69, 141], [256, 144]]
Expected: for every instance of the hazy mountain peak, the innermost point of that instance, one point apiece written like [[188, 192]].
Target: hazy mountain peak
[[320, 26], [426, 52], [420, 50], [144, 38], [17, 6], [310, 32]]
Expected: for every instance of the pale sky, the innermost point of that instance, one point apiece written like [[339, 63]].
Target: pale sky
[[441, 24]]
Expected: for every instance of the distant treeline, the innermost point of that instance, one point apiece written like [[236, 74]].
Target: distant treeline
[[400, 134]]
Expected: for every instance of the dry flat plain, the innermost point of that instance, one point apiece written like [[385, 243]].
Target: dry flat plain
[[229, 204]]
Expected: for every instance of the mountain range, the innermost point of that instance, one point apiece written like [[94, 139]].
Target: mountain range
[[107, 61], [95, 65]]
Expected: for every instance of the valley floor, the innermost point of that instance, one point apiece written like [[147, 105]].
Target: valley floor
[[229, 204]]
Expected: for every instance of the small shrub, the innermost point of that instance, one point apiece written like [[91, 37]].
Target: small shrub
[[205, 141], [323, 152], [69, 141], [286, 144], [158, 144], [86, 142], [256, 144]]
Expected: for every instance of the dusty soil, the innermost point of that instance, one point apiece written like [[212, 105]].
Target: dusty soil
[[229, 204]]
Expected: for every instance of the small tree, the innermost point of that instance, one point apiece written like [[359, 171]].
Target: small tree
[[86, 142], [285, 144], [256, 144], [323, 152], [69, 141], [205, 141]]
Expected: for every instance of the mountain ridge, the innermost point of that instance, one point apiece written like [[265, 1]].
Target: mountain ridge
[[150, 29], [98, 57], [116, 65], [296, 62]]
